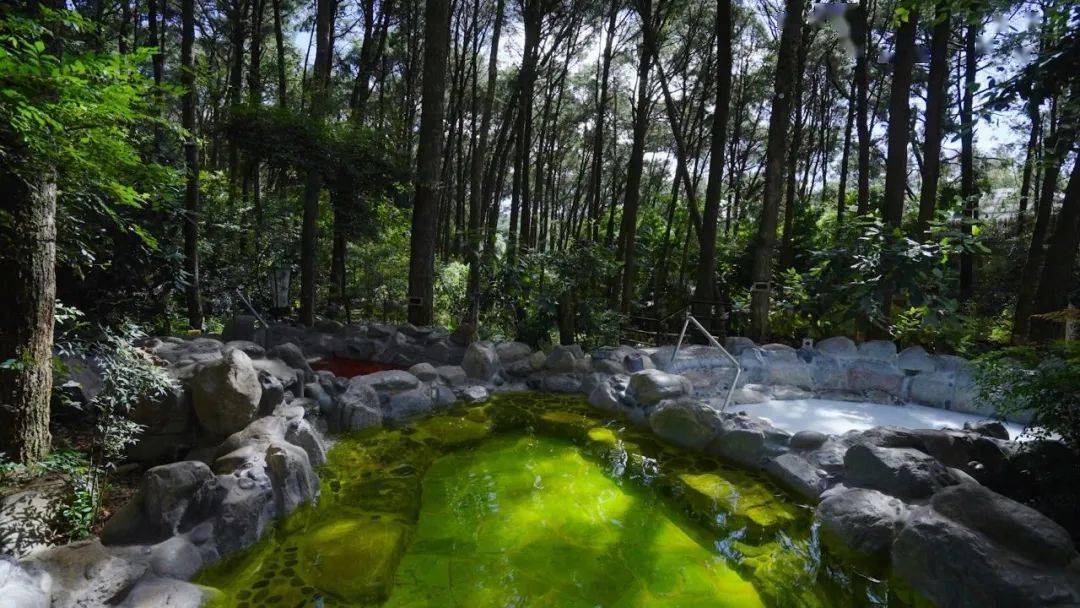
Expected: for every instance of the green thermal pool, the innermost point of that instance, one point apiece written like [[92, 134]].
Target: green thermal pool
[[531, 500]]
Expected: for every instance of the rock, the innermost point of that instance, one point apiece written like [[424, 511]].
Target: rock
[[480, 361], [798, 475], [1019, 528], [318, 393], [240, 327], [474, 394], [251, 349], [565, 359], [561, 383], [807, 440], [607, 396], [737, 344], [18, 589], [685, 422], [915, 359], [301, 433], [905, 473], [860, 524], [171, 499], [294, 358], [360, 348], [226, 393], [424, 371], [878, 350], [86, 573], [463, 335], [442, 396], [273, 393], [408, 403], [452, 375], [291, 477], [176, 557], [357, 408], [748, 441], [509, 352], [243, 511], [156, 592], [292, 380], [28, 517], [989, 428], [943, 563], [838, 346], [875, 375], [388, 381], [651, 386]]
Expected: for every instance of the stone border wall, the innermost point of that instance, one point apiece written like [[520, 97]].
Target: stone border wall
[[249, 421]]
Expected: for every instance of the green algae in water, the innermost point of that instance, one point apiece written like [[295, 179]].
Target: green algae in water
[[533, 500]]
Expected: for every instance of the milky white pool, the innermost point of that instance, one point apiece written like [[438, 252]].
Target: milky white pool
[[837, 417]]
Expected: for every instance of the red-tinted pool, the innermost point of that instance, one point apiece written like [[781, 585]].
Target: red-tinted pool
[[347, 368]]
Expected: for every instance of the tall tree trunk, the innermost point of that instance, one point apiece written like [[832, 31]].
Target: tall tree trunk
[[705, 287], [282, 83], [1061, 139], [428, 160], [320, 81], [237, 37], [632, 200], [532, 18], [967, 161], [787, 253], [1057, 274], [775, 152], [593, 192], [191, 157], [480, 156], [845, 160], [935, 110], [27, 267], [861, 37], [1029, 163]]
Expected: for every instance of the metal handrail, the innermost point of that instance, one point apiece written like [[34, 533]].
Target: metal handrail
[[738, 368]]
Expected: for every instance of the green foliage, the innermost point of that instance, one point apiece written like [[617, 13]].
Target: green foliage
[[1042, 379]]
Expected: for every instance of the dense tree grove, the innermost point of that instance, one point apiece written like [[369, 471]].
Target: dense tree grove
[[544, 170]]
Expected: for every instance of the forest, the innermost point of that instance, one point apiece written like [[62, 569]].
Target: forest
[[545, 171]]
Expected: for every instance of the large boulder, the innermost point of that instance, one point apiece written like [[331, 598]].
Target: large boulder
[[171, 499], [860, 524], [406, 404], [651, 386], [481, 361], [292, 478], [906, 473], [510, 352], [685, 422], [937, 561], [355, 409], [156, 592], [566, 359], [86, 573], [294, 357], [390, 380], [28, 516], [797, 474], [749, 441], [18, 589], [226, 393]]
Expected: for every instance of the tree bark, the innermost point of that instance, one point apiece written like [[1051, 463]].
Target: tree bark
[[324, 28], [861, 37], [1057, 274], [705, 288], [776, 150], [428, 160], [191, 158], [935, 111], [282, 83], [632, 198], [967, 161], [1029, 163]]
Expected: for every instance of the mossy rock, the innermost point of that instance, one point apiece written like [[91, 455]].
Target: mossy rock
[[710, 495], [452, 432], [384, 494], [565, 424], [771, 565], [353, 559]]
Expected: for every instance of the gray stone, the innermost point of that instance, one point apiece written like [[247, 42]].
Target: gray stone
[[158, 592], [838, 346], [360, 348], [651, 386], [176, 557], [878, 350], [474, 394], [28, 516], [561, 383], [424, 371], [875, 375], [947, 564], [291, 477], [273, 393], [291, 379], [915, 359], [905, 473], [442, 396], [251, 349], [357, 408], [408, 403], [860, 524], [170, 499], [737, 344], [1018, 527], [388, 381], [294, 357], [18, 589], [480, 361], [509, 352], [807, 440], [685, 422], [748, 441], [301, 433], [608, 395], [989, 428], [86, 573], [798, 475], [453, 375], [226, 393], [565, 359], [243, 511]]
